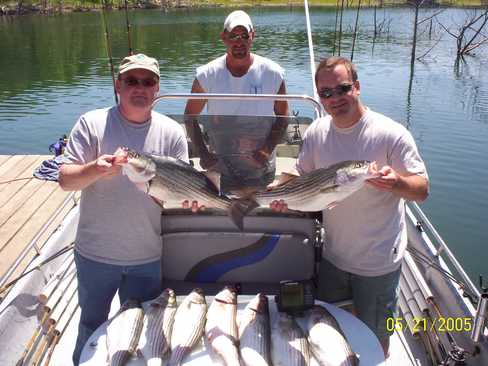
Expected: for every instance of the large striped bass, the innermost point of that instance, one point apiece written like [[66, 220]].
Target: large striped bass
[[321, 188], [327, 341], [174, 181], [188, 326], [221, 335], [289, 346], [155, 342], [255, 332], [123, 332]]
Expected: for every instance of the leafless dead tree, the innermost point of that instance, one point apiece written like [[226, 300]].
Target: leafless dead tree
[[471, 34]]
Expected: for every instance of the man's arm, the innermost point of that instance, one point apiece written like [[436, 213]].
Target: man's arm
[[195, 107], [278, 129], [281, 107], [75, 177], [411, 187]]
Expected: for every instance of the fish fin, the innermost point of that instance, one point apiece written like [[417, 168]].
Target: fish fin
[[331, 205], [214, 177], [158, 202], [240, 208]]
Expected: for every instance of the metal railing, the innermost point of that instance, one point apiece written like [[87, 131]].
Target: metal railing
[[319, 110]]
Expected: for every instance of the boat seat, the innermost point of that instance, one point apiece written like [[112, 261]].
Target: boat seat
[[207, 250]]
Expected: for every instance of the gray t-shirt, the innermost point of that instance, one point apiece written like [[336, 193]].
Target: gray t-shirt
[[119, 224], [366, 232]]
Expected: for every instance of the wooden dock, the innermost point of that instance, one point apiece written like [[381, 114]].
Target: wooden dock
[[26, 205]]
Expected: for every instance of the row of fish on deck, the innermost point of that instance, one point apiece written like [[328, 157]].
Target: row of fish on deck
[[167, 333]]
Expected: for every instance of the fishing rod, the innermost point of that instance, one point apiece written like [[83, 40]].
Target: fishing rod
[[128, 28], [109, 49], [54, 256]]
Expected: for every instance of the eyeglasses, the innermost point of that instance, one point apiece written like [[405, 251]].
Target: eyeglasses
[[235, 37], [339, 90], [146, 83]]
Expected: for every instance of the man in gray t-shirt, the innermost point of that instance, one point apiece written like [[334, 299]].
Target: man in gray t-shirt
[[366, 232], [118, 242]]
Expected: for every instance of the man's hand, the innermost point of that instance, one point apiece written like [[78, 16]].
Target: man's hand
[[387, 180], [194, 206], [261, 156], [108, 165], [412, 187], [278, 206]]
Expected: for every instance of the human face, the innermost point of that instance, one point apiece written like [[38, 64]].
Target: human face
[[238, 42], [137, 89], [341, 104]]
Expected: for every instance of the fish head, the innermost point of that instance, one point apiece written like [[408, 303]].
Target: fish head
[[139, 168], [355, 172], [197, 296], [171, 297], [259, 304], [131, 304], [227, 296]]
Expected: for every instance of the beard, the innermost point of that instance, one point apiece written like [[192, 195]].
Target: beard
[[239, 53]]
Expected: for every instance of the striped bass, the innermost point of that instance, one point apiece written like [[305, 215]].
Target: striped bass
[[123, 332], [158, 323], [289, 346], [327, 341], [321, 188], [221, 333], [255, 332], [188, 326], [174, 181]]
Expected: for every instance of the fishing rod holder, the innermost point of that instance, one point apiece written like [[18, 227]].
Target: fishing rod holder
[[481, 314]]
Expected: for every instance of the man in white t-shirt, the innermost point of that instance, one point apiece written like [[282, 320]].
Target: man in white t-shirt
[[238, 71], [118, 241], [366, 233]]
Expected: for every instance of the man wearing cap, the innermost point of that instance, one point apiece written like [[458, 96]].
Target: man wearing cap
[[238, 71], [118, 242]]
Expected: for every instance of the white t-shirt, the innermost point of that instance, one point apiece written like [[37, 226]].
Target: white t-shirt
[[263, 77], [119, 224], [366, 232]]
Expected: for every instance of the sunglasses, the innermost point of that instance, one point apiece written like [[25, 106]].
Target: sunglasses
[[339, 90], [146, 83], [235, 37]]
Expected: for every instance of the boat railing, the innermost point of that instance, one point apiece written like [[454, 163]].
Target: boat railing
[[441, 248], [33, 244], [319, 110]]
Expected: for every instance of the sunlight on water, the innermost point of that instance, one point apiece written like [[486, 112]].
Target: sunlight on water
[[52, 69]]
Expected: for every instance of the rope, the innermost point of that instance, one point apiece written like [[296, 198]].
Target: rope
[[15, 180]]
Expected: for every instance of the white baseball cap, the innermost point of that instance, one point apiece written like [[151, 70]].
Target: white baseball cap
[[238, 18]]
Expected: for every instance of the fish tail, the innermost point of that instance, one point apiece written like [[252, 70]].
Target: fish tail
[[240, 208]]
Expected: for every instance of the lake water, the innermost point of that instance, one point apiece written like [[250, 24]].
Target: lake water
[[52, 69]]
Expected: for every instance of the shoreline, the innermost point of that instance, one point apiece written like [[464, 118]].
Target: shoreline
[[12, 9]]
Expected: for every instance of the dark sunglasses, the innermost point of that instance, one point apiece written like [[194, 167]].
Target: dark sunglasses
[[146, 83], [235, 37], [339, 90]]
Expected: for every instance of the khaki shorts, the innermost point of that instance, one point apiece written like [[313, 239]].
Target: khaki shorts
[[374, 298]]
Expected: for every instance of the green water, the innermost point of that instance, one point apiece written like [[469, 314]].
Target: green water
[[52, 69]]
